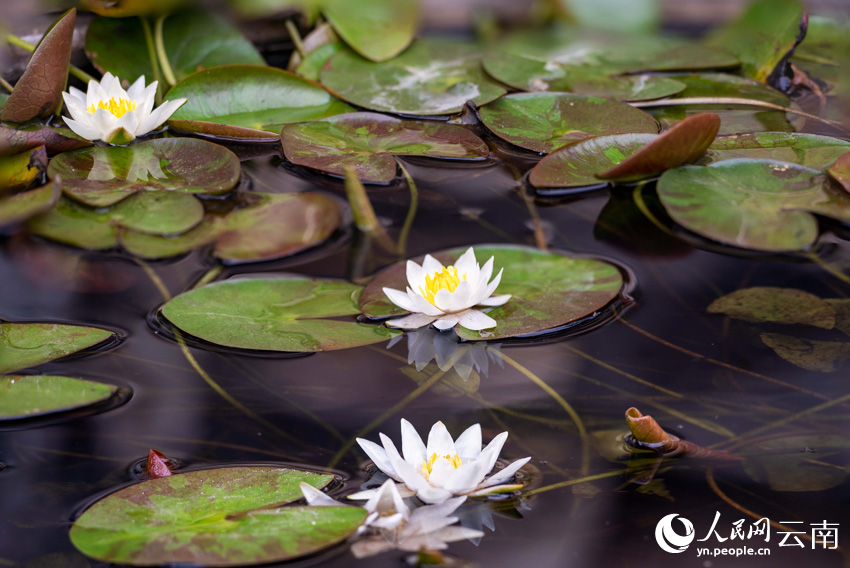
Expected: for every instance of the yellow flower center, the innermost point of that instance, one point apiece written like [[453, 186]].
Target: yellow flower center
[[446, 278], [118, 108], [427, 466]]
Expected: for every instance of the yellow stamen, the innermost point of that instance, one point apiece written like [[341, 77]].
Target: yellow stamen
[[118, 108], [446, 278], [427, 466]]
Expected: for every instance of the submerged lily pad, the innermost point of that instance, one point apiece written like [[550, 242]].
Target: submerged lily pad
[[378, 29], [808, 354], [249, 101], [368, 141], [756, 204], [22, 206], [275, 314], [808, 150], [23, 396], [28, 344], [231, 516], [431, 77], [798, 463], [840, 171], [775, 305], [549, 290], [544, 122]]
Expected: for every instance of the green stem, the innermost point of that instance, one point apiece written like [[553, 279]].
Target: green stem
[[209, 276], [167, 73], [146, 28], [411, 212], [27, 46], [6, 84], [587, 479], [296, 38]]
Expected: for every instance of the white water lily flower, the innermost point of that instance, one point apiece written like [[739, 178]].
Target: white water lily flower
[[386, 508], [107, 112], [446, 295], [444, 467]]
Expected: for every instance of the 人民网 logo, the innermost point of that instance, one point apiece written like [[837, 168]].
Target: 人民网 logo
[[671, 541]]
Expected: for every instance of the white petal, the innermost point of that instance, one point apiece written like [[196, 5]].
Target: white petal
[[440, 441], [144, 104], [95, 93], [491, 452], [413, 321], [494, 284], [466, 263], [411, 477], [446, 322], [82, 130], [469, 443], [466, 478], [430, 515], [412, 445], [495, 300], [160, 115], [460, 299], [388, 501], [454, 534], [77, 94], [431, 494], [504, 475], [400, 299], [378, 455], [316, 498], [486, 271], [430, 265], [104, 121], [415, 275], [136, 89], [389, 523], [422, 305], [475, 320], [76, 107]]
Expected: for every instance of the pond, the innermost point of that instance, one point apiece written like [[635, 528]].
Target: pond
[[752, 387]]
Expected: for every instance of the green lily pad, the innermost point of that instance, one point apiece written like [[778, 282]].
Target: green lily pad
[[193, 41], [796, 463], [616, 15], [23, 170], [312, 65], [431, 77], [544, 122], [244, 101], [55, 140], [75, 224], [22, 206], [29, 344], [808, 354], [275, 314], [378, 29], [840, 171], [368, 141], [549, 290], [158, 212], [775, 305], [230, 516], [756, 204], [23, 396], [808, 150], [103, 176]]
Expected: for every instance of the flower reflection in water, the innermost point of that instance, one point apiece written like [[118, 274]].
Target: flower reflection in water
[[425, 345]]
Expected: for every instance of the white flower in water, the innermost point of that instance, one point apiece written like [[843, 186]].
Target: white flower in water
[[107, 112], [444, 467], [446, 295]]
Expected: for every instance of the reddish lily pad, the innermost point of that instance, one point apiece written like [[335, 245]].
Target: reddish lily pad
[[544, 122], [38, 93], [840, 171], [775, 305], [55, 140], [23, 170], [808, 150], [378, 29], [368, 141], [103, 176], [232, 516], [22, 206], [25, 345], [26, 396], [550, 290]]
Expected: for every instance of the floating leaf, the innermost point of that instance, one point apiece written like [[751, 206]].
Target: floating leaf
[[775, 305], [312, 65], [755, 204], [55, 140], [29, 344], [840, 171], [218, 517], [797, 463], [808, 150], [244, 101], [368, 141], [193, 41], [549, 290], [544, 122], [431, 77], [23, 170], [158, 212], [275, 314], [809, 354], [24, 396], [38, 93], [22, 206], [615, 15], [104, 176], [842, 313], [75, 224], [378, 29], [126, 8]]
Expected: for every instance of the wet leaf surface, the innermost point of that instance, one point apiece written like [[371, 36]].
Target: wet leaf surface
[[23, 396], [767, 304], [756, 204], [73, 223], [617, 15], [22, 206], [55, 140], [275, 314], [158, 212], [23, 170], [543, 122], [157, 465], [840, 171], [798, 463], [312, 65], [808, 150], [103, 176], [431, 77], [250, 97], [25, 345], [368, 141], [809, 354], [549, 290], [377, 30], [219, 517], [38, 93]]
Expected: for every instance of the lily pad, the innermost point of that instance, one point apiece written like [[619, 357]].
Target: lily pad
[[126, 8], [368, 141], [808, 354], [22, 206], [768, 304], [312, 65], [796, 463], [23, 396], [29, 344], [230, 516], [158, 212], [617, 15], [378, 29], [808, 150], [544, 122], [756, 204], [275, 314], [103, 176], [38, 93], [193, 41], [549, 290], [23, 170], [244, 101], [55, 140], [840, 171], [75, 224], [431, 77]]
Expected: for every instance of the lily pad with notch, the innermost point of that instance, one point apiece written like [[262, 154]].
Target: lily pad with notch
[[755, 204], [25, 345], [26, 396], [103, 176], [543, 122], [809, 150], [550, 290], [231, 516], [378, 30], [368, 141], [275, 314], [430, 78]]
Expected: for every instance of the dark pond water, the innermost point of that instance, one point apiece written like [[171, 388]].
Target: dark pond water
[[704, 377]]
